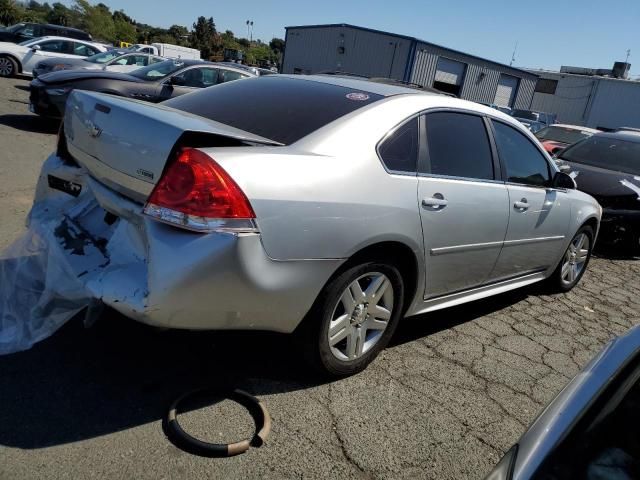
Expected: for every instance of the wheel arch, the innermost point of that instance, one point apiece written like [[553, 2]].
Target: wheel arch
[[394, 252], [15, 59]]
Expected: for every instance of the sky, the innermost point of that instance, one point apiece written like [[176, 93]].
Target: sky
[[548, 33]]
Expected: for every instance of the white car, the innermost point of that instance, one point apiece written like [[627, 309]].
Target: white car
[[23, 57], [123, 61]]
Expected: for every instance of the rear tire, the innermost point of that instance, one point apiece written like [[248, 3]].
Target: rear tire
[[574, 261], [353, 319], [8, 67]]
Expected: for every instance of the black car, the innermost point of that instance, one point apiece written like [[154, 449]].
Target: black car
[[28, 31], [607, 167], [153, 83]]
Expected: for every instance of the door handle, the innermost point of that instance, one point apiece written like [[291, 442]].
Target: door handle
[[436, 201], [522, 204]]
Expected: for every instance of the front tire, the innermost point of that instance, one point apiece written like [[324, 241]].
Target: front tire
[[574, 261], [353, 319], [8, 67]]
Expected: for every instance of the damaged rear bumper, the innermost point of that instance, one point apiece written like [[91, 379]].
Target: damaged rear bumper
[[162, 275]]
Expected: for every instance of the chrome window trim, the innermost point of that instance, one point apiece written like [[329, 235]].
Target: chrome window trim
[[393, 130], [481, 246]]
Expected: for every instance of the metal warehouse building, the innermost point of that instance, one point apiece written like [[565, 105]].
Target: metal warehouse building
[[588, 99], [373, 53]]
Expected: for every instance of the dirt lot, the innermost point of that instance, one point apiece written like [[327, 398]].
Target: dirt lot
[[451, 394]]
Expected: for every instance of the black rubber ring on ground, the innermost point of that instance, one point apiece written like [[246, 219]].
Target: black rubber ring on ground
[[186, 442]]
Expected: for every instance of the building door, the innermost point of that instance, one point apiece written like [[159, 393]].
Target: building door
[[449, 76], [506, 91]]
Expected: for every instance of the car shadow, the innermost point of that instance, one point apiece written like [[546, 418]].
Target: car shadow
[[83, 383], [30, 123], [25, 88], [420, 326]]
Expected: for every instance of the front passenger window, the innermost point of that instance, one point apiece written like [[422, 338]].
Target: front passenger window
[[523, 161]]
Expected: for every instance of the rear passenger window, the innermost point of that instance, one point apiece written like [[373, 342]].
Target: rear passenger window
[[523, 161], [399, 151], [458, 146]]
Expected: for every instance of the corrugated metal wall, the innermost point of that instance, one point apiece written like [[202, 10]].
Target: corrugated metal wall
[[616, 104], [481, 79], [591, 101], [377, 54], [312, 50], [570, 100]]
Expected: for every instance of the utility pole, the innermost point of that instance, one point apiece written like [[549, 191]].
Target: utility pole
[[513, 55], [250, 30], [626, 60]]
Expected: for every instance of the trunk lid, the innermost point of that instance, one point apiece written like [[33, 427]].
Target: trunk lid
[[126, 143]]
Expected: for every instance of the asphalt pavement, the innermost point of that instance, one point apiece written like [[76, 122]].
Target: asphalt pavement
[[452, 393]]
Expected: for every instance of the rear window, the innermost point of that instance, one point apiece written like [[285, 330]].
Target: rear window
[[277, 108]]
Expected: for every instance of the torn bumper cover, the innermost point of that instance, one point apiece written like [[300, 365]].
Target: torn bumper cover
[[86, 243]]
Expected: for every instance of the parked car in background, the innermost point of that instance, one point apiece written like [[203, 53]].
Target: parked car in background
[[501, 108], [288, 203], [168, 50], [256, 70], [22, 58], [111, 60], [153, 83], [607, 166], [557, 137], [22, 32], [534, 121], [589, 430]]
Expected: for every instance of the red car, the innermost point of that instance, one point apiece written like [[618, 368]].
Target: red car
[[557, 137]]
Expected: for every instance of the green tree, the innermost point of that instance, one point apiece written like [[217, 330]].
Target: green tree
[[277, 45], [10, 12], [179, 33], [96, 20], [124, 31], [59, 14], [203, 36]]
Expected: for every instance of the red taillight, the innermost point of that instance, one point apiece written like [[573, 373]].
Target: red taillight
[[197, 193]]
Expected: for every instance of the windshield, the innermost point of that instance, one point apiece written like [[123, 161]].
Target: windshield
[[104, 57], [526, 114], [14, 28], [562, 134], [158, 70], [606, 152]]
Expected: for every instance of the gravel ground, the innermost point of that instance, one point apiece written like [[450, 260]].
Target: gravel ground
[[450, 395]]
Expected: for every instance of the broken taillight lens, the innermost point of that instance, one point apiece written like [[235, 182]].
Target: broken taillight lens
[[198, 194]]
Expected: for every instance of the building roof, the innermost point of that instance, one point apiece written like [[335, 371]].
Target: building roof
[[541, 73], [414, 39]]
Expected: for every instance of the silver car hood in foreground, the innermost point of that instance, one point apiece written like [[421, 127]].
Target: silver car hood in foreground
[[561, 414]]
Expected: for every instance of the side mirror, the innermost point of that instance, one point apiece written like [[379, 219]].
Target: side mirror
[[35, 48], [563, 180]]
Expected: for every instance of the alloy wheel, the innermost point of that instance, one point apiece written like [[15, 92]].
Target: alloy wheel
[[575, 258], [360, 316], [6, 67]]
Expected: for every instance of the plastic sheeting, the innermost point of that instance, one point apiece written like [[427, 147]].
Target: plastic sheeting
[[38, 290]]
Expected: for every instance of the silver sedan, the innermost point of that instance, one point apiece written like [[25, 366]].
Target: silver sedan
[[325, 206]]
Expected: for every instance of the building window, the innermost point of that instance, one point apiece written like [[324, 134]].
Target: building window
[[546, 85]]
